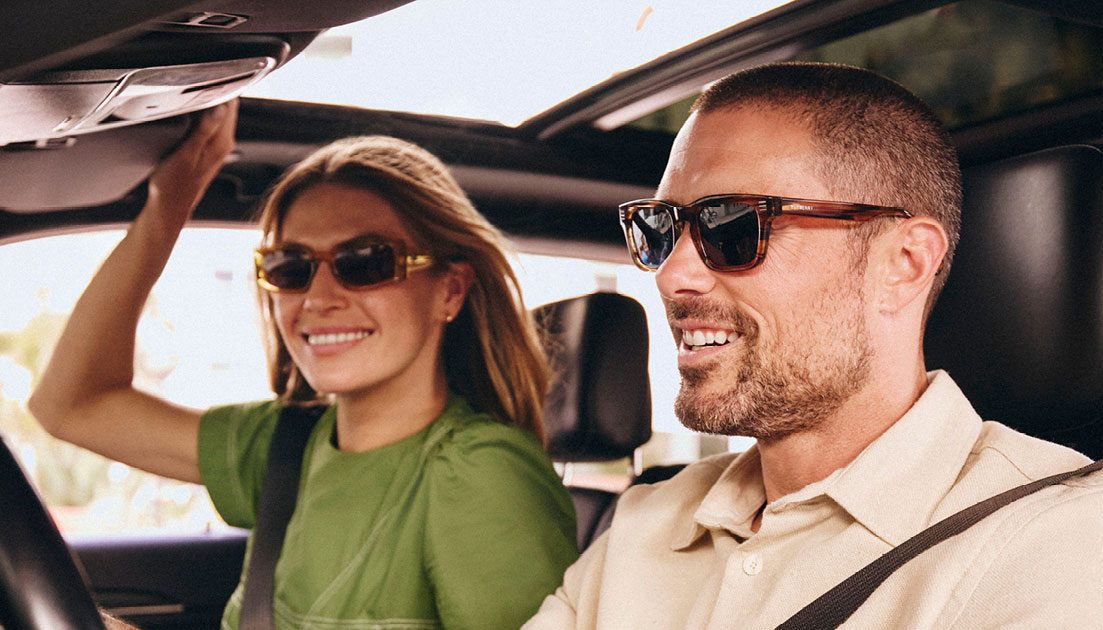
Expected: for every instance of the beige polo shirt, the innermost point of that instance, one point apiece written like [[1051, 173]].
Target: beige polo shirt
[[681, 554]]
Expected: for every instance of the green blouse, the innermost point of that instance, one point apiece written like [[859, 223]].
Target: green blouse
[[463, 525]]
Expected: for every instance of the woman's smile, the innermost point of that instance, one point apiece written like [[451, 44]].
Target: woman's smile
[[332, 341]]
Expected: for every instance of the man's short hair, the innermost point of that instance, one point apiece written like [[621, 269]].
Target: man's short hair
[[876, 142]]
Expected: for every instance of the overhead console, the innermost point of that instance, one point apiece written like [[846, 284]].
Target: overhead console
[[56, 105], [72, 97]]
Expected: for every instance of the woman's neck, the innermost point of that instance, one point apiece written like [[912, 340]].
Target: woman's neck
[[389, 413]]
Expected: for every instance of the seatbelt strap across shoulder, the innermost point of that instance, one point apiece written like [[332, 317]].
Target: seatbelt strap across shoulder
[[834, 607], [278, 495]]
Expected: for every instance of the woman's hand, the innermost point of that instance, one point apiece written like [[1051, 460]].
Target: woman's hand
[[182, 178]]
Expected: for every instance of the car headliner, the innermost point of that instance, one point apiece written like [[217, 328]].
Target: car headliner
[[555, 176]]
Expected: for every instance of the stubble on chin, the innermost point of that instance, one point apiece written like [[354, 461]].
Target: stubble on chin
[[768, 391]]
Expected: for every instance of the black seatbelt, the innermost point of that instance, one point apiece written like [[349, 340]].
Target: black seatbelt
[[278, 494], [834, 607]]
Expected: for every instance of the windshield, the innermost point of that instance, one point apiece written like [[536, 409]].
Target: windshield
[[495, 60]]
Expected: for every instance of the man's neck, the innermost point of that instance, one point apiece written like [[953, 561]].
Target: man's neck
[[793, 462]]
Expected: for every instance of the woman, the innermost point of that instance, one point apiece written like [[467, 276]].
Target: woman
[[386, 294]]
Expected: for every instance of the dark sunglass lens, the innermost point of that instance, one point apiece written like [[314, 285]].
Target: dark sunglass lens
[[653, 233], [288, 269], [729, 233], [366, 265]]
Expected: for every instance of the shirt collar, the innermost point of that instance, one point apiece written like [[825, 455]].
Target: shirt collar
[[731, 503], [892, 488]]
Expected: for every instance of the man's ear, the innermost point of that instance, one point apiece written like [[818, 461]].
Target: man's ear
[[909, 256], [457, 281]]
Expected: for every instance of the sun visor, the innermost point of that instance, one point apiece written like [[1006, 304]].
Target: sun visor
[[87, 170], [55, 105]]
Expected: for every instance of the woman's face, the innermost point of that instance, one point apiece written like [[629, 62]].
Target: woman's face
[[350, 342]]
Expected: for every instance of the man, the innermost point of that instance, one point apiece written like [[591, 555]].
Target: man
[[813, 345]]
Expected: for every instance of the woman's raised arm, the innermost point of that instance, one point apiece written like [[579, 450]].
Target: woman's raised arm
[[86, 395]]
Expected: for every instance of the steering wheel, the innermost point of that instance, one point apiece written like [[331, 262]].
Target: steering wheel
[[41, 586]]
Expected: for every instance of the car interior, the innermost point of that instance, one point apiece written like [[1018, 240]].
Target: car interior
[[89, 104]]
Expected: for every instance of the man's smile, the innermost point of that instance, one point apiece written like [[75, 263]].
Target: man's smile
[[699, 338]]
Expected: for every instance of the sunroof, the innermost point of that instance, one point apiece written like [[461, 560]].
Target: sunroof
[[497, 60], [971, 61]]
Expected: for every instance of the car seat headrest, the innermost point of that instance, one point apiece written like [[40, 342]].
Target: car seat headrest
[[599, 406], [1019, 325]]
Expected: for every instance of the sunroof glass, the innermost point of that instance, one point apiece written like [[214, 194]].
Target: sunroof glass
[[497, 60], [971, 61]]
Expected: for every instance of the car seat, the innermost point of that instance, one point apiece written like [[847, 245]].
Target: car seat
[[599, 406], [1019, 325]]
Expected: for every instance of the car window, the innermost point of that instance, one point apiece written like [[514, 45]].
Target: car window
[[198, 344], [971, 61]]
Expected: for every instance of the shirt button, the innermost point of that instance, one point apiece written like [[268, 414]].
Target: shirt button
[[752, 564]]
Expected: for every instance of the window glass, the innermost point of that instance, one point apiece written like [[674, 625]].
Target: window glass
[[198, 344], [971, 61], [978, 60], [549, 50]]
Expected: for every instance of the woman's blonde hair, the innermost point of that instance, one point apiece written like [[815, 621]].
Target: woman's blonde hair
[[492, 352]]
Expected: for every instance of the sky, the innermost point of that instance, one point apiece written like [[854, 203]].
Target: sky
[[497, 60]]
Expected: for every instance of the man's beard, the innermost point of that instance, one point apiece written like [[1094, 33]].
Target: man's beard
[[771, 390]]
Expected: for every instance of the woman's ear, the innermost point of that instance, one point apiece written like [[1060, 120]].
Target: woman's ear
[[910, 256], [457, 281]]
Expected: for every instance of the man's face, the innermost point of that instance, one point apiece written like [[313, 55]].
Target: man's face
[[776, 349]]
